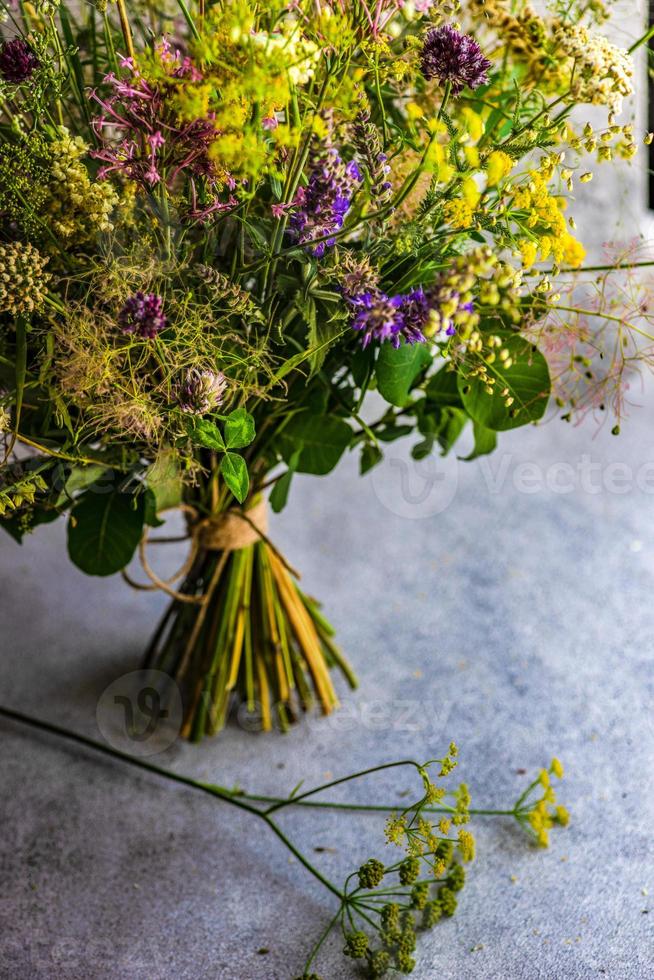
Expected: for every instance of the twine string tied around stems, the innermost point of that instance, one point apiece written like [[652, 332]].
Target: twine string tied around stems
[[226, 532]]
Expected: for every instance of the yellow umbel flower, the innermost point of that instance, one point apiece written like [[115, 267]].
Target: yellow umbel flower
[[498, 166], [459, 214]]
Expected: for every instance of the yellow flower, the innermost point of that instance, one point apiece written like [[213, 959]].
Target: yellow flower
[[562, 815], [459, 213], [557, 768], [498, 166], [574, 252], [473, 123], [472, 156], [528, 251], [470, 192], [466, 845]]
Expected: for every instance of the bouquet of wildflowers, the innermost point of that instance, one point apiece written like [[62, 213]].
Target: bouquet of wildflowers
[[223, 224]]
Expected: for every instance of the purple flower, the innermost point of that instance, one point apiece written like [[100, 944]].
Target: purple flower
[[143, 315], [416, 309], [321, 206], [380, 317], [410, 317], [17, 61], [201, 391], [453, 57]]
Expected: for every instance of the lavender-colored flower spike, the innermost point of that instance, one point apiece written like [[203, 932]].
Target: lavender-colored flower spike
[[143, 315], [450, 56], [321, 206], [18, 61], [379, 317], [201, 391]]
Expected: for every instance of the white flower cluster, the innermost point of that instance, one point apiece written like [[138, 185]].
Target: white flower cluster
[[300, 53], [603, 72]]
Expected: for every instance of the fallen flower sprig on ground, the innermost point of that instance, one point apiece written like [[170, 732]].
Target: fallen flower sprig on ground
[[379, 903]]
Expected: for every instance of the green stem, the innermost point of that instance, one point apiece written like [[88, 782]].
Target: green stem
[[212, 790], [281, 804], [300, 856], [189, 19]]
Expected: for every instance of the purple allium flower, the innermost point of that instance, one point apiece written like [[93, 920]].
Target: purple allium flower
[[321, 206], [453, 57], [201, 391], [143, 315], [17, 61]]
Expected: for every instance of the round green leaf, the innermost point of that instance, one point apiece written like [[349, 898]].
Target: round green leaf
[[397, 368], [104, 530], [239, 429], [527, 381], [321, 440]]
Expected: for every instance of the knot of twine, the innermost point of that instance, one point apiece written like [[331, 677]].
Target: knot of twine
[[230, 531]]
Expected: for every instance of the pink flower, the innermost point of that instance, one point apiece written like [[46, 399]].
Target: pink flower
[[130, 129]]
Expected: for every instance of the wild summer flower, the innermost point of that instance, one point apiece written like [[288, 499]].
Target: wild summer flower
[[391, 318], [23, 279], [201, 391], [143, 315], [144, 138], [18, 62], [449, 56], [322, 205]]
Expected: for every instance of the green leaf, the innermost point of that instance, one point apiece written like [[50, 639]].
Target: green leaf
[[202, 432], [527, 381], [165, 480], [83, 477], [150, 509], [485, 441], [397, 368], [321, 439], [370, 456], [235, 474], [279, 493], [321, 332], [443, 388], [451, 425], [239, 429], [104, 531]]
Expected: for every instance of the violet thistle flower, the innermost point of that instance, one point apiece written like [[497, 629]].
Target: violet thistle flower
[[18, 62], [201, 391], [321, 206], [450, 56], [416, 309], [143, 315]]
